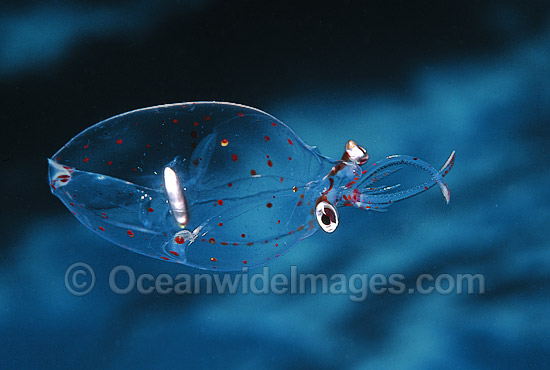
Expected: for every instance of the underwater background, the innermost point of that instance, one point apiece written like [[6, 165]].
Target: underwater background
[[418, 78]]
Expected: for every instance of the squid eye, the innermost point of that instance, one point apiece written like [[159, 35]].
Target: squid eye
[[327, 216]]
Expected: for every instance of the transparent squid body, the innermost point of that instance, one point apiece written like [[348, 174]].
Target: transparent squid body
[[216, 185]]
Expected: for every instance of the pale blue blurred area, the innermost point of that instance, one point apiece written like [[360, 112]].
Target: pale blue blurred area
[[493, 110]]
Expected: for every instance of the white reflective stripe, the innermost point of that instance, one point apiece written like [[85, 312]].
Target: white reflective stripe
[[446, 192], [446, 167], [356, 153], [448, 163], [176, 198]]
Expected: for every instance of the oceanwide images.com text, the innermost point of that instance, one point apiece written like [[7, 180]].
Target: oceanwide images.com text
[[80, 280]]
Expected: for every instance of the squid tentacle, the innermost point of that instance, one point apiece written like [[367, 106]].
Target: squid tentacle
[[380, 189], [379, 173], [380, 197]]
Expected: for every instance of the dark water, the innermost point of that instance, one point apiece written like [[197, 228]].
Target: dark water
[[419, 79]]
